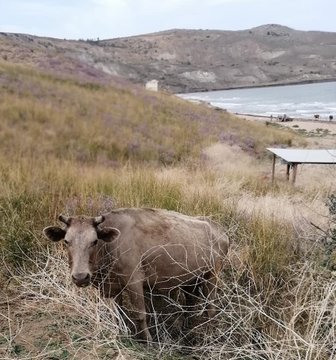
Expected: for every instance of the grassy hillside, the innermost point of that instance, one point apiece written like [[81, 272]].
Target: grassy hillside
[[89, 122], [67, 145], [55, 128]]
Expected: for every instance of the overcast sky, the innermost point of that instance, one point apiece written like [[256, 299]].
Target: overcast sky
[[104, 19]]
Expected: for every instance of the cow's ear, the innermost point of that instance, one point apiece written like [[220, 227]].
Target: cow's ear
[[54, 233], [108, 234]]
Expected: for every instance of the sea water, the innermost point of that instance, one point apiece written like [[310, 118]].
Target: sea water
[[298, 101]]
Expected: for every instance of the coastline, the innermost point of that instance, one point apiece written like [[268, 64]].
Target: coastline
[[275, 119], [289, 83], [313, 129], [260, 117]]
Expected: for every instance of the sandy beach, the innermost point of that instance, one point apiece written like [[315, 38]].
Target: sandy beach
[[309, 125], [318, 133]]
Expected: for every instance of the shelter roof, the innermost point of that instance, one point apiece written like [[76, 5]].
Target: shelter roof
[[306, 156]]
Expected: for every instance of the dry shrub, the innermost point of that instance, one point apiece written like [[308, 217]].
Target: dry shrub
[[289, 318], [272, 322], [83, 325]]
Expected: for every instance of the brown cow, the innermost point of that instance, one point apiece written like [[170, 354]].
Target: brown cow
[[132, 249]]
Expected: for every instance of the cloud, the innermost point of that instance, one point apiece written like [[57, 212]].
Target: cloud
[[114, 18], [108, 4]]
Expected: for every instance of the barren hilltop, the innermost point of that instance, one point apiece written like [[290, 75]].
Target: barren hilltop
[[187, 60]]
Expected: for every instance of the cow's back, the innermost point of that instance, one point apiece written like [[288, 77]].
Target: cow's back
[[168, 246]]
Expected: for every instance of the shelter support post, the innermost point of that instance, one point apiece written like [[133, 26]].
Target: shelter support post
[[295, 165], [273, 168], [287, 171]]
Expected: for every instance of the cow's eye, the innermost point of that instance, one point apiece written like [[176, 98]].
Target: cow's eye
[[95, 242], [66, 242]]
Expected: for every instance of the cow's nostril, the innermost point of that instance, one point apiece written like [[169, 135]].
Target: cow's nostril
[[81, 278]]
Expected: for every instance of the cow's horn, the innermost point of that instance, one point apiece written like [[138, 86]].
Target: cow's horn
[[98, 220], [65, 219]]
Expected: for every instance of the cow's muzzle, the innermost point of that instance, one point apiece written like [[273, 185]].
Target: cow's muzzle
[[81, 279]]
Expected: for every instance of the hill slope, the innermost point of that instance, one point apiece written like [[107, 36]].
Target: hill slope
[[188, 60], [78, 147], [65, 117]]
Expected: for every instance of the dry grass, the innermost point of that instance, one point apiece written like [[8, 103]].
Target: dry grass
[[76, 147], [58, 117], [269, 303], [251, 321], [73, 323]]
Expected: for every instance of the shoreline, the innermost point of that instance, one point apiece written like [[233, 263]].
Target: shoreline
[[275, 119], [290, 83], [324, 130]]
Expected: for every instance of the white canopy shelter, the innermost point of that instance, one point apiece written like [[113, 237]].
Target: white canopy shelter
[[294, 157]]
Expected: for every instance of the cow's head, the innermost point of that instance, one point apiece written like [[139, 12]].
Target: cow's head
[[82, 237]]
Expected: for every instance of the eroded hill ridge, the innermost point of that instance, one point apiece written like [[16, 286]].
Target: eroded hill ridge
[[187, 60]]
